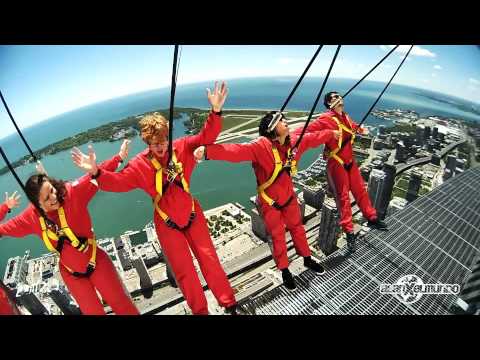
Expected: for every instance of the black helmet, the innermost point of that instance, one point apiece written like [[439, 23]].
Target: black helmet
[[328, 98], [268, 123]]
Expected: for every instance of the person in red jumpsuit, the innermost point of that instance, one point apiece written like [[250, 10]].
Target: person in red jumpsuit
[[7, 304], [179, 220], [51, 200], [343, 174], [277, 203]]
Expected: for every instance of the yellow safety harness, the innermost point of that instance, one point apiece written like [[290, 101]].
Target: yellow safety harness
[[290, 166], [341, 128], [65, 231], [171, 175]]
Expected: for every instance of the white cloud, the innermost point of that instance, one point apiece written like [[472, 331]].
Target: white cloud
[[474, 81], [416, 51], [434, 75], [472, 88], [437, 67], [426, 80]]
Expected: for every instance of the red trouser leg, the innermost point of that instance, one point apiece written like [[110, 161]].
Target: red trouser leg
[[339, 181], [360, 194], [293, 220], [275, 226], [7, 307], [83, 292], [200, 242], [175, 247], [106, 280]]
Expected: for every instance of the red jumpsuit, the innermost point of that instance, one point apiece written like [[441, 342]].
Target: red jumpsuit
[[104, 278], [177, 203], [7, 305], [343, 181], [259, 152]]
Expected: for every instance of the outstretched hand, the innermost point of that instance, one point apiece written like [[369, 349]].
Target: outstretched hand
[[87, 163], [124, 149], [13, 200], [217, 98], [199, 153]]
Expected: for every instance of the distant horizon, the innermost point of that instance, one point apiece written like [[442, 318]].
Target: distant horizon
[[39, 122]]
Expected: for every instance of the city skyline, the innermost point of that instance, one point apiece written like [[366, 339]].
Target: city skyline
[[40, 82]]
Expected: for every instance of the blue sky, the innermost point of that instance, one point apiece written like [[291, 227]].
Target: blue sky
[[39, 82]]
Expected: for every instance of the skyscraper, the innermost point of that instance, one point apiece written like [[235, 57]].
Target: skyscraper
[[401, 153], [314, 198], [329, 229], [420, 134], [435, 132], [139, 265], [27, 298], [414, 185], [61, 297], [436, 159], [451, 163], [258, 226], [390, 173], [375, 188]]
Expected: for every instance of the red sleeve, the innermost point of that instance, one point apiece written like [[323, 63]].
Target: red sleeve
[[111, 164], [208, 134], [84, 188], [3, 211], [122, 181], [231, 152], [320, 123], [19, 226], [314, 139]]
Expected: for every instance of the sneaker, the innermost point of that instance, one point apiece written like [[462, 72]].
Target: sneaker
[[235, 310], [288, 280], [377, 224], [351, 237], [309, 263]]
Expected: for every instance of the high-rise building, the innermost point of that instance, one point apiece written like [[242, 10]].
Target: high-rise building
[[420, 134], [365, 172], [61, 297], [314, 198], [141, 268], [401, 153], [390, 172], [124, 259], [436, 159], [382, 130], [27, 298], [451, 162], [329, 229], [435, 132], [427, 133], [375, 188], [414, 185], [258, 226], [16, 270], [378, 144]]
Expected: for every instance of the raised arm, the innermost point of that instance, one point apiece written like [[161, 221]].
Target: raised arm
[[227, 152], [19, 226], [10, 202], [315, 139], [213, 125], [319, 124]]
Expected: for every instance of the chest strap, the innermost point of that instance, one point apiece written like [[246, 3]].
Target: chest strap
[[290, 166], [66, 233], [171, 176]]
